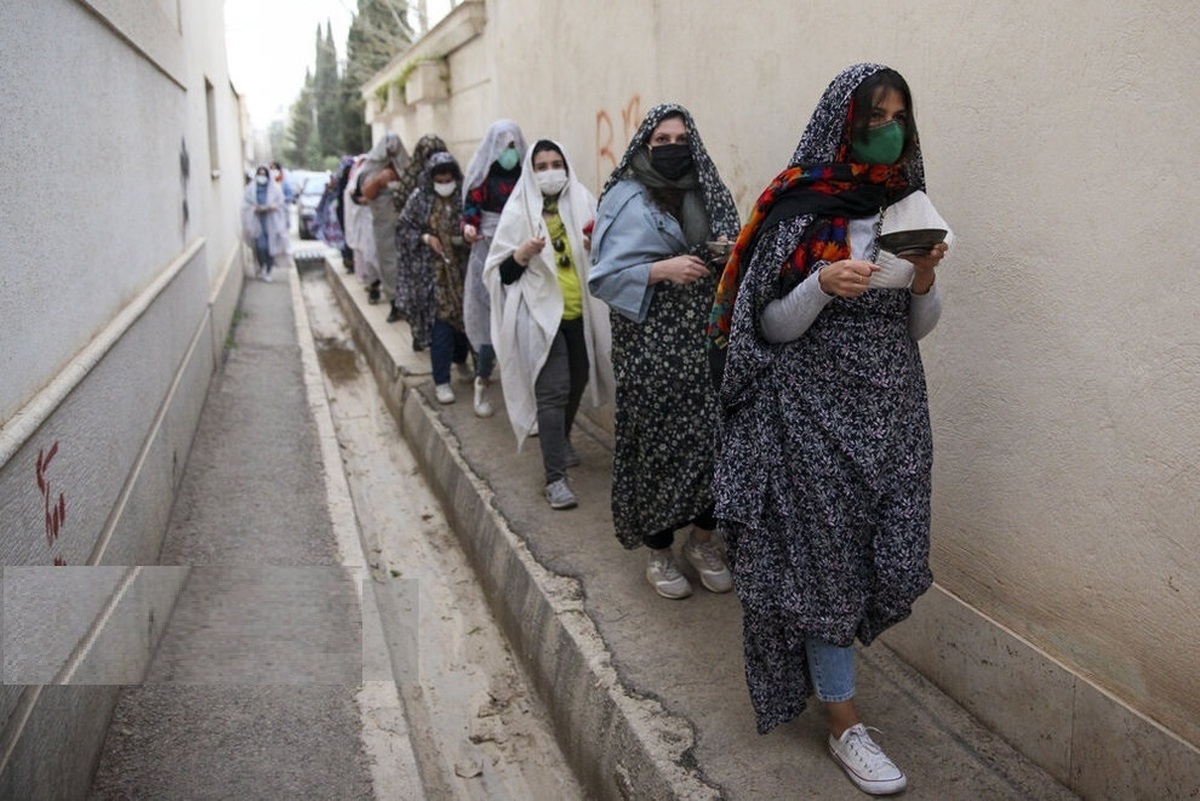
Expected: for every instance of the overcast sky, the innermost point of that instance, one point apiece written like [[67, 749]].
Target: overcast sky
[[271, 42]]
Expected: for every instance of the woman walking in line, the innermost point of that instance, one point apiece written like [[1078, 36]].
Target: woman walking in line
[[551, 337], [823, 477], [360, 237], [659, 209], [426, 146], [378, 178], [428, 227], [265, 221], [492, 173]]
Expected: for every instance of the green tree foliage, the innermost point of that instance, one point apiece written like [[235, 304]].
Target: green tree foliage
[[328, 118], [380, 30], [327, 94], [302, 137]]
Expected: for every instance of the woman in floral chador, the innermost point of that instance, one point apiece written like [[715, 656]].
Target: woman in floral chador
[[428, 229], [823, 478], [406, 274], [650, 264]]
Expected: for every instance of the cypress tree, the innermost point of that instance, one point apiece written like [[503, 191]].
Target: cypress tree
[[379, 31], [327, 94], [302, 131]]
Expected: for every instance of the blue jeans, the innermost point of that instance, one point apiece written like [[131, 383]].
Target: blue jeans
[[832, 670], [448, 345], [262, 251]]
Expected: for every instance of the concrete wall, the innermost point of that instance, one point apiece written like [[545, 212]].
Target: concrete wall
[[1065, 371], [122, 269]]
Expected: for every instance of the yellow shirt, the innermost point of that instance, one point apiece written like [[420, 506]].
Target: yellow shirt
[[568, 279]]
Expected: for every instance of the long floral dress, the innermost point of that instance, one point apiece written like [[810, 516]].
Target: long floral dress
[[666, 412], [665, 416]]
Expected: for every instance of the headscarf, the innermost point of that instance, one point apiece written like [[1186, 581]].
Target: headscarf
[[720, 211], [426, 146], [500, 134], [808, 206], [423, 197], [427, 211], [388, 150], [813, 198]]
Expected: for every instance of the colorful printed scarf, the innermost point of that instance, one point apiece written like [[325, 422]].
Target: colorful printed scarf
[[803, 215], [831, 193]]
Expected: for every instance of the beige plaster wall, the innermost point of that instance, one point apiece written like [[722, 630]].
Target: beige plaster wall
[[1065, 373]]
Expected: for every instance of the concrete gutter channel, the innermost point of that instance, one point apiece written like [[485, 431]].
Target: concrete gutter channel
[[647, 696]]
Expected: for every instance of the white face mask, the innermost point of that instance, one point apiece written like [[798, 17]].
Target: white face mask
[[446, 189], [551, 182]]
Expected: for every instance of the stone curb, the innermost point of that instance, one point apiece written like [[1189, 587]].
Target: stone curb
[[620, 744]]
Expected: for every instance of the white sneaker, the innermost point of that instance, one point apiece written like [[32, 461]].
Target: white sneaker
[[664, 576], [445, 393], [706, 558], [483, 406], [865, 763]]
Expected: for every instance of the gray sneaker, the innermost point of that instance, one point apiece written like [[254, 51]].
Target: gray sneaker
[[664, 576], [559, 495], [706, 558]]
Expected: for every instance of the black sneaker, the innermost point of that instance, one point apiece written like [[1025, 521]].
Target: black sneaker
[[394, 315], [373, 293]]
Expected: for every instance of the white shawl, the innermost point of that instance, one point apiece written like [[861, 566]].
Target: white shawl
[[526, 313]]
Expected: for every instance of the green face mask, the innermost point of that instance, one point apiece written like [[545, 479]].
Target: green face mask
[[883, 145], [508, 158]]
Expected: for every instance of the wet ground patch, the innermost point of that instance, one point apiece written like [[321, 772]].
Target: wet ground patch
[[338, 359]]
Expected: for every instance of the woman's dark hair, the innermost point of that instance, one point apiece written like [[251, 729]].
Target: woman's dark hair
[[542, 145], [449, 168], [864, 101]]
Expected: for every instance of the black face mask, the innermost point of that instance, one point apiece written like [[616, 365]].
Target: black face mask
[[671, 161]]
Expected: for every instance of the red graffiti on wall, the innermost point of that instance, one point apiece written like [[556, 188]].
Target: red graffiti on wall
[[56, 510], [606, 136]]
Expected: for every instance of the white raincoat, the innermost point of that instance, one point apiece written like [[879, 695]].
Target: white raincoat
[[359, 233], [278, 242]]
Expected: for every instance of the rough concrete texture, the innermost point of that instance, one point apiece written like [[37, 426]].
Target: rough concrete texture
[[648, 694], [252, 692]]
